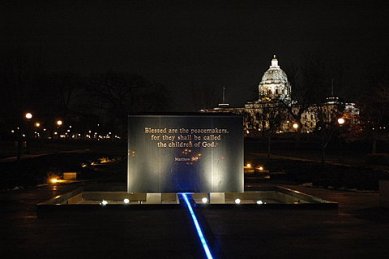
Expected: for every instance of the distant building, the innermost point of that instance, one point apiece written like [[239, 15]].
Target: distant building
[[276, 111]]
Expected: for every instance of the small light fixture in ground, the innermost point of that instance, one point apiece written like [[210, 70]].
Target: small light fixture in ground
[[237, 201], [260, 168], [103, 202], [126, 201], [259, 202], [53, 180], [248, 165], [204, 200]]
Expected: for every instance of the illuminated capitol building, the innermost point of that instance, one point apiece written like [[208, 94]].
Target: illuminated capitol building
[[276, 111]]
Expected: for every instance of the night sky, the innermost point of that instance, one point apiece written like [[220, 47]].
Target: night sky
[[189, 45]]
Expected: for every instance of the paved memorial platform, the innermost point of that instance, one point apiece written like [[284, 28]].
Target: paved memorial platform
[[358, 228]]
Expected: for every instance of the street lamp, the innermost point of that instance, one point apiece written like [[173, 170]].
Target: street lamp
[[341, 121], [59, 124], [326, 138], [36, 132], [295, 126], [28, 115]]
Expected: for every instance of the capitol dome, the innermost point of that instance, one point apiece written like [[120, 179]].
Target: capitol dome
[[274, 84]]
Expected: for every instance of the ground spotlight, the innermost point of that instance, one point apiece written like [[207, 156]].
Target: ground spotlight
[[126, 201], [53, 180], [204, 200], [237, 201]]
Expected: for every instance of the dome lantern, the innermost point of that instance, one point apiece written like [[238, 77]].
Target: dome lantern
[[274, 62]]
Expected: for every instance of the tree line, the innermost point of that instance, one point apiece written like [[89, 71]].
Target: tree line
[[105, 97]]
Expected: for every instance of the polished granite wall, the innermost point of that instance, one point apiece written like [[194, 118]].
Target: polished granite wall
[[185, 153]]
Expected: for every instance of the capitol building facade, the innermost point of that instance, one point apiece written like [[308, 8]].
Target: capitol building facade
[[275, 111]]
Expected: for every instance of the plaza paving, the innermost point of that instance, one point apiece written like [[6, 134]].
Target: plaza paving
[[358, 229]]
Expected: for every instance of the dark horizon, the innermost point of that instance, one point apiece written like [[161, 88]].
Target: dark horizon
[[196, 46]]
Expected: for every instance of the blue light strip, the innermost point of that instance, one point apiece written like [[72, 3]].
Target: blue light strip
[[198, 228]]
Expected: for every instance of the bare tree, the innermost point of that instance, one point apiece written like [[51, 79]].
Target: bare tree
[[19, 71], [327, 126], [314, 79], [375, 113], [273, 115], [115, 95]]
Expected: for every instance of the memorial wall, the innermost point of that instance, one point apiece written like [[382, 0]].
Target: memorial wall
[[185, 153]]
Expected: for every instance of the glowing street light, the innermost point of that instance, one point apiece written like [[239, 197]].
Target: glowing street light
[[59, 122], [295, 126], [341, 121], [28, 115], [37, 124]]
